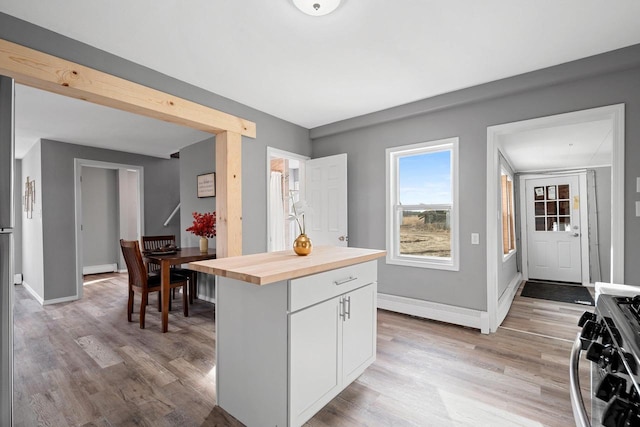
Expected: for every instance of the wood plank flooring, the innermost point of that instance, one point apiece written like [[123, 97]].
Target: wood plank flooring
[[83, 364]]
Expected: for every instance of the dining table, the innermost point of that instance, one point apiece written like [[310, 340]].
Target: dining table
[[174, 257]]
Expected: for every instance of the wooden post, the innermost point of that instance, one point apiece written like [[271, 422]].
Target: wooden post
[[228, 194]]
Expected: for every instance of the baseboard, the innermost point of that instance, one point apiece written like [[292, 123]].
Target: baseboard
[[102, 268], [33, 293], [435, 311], [59, 300], [49, 301], [504, 303]]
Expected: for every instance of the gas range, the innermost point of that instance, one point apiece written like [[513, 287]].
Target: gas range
[[611, 339]]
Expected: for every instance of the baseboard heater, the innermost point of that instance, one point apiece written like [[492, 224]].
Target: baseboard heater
[[96, 269]]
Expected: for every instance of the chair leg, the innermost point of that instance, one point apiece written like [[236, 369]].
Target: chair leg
[[143, 308], [185, 300], [130, 306], [193, 287]]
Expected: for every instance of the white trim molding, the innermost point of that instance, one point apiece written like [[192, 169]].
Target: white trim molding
[[41, 301], [96, 269], [33, 293], [435, 311], [59, 300], [504, 303]]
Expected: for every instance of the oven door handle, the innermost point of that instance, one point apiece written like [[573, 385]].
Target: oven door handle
[[577, 403]]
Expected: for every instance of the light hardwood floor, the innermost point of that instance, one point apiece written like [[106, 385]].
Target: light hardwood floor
[[83, 364]]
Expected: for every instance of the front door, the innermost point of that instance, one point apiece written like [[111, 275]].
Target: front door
[[553, 229]]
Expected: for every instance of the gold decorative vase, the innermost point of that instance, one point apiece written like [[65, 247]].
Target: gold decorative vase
[[302, 245], [204, 244]]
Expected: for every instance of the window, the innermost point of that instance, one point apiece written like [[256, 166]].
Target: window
[[508, 216], [422, 205]]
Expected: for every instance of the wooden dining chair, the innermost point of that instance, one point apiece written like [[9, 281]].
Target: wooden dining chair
[[153, 243], [142, 282]]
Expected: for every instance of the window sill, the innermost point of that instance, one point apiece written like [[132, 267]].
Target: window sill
[[450, 266], [508, 256]]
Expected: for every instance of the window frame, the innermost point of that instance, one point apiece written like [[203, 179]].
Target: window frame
[[504, 171], [394, 209]]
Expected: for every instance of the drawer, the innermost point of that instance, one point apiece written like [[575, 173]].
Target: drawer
[[309, 290]]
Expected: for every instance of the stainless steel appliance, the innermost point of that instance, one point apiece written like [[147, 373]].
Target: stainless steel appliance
[[7, 159], [611, 339]]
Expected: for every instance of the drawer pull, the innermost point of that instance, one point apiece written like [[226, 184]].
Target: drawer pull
[[343, 281]]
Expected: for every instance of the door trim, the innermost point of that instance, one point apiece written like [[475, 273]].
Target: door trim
[[615, 113], [584, 223], [78, 165]]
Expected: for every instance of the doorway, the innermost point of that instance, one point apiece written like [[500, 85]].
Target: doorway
[[130, 210], [498, 303], [321, 184], [285, 186], [553, 228]]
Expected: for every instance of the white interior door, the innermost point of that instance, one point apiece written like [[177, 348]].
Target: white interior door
[[326, 194], [553, 229]]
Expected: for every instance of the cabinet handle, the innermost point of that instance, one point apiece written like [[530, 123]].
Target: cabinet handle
[[347, 310], [342, 309], [343, 281]]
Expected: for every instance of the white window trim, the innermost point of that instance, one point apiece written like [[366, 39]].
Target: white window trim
[[392, 239], [512, 252]]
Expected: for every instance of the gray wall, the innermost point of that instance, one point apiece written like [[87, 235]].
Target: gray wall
[[195, 160], [365, 142], [161, 195], [17, 232], [100, 217], [32, 230]]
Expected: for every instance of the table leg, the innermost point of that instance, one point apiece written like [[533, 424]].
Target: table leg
[[164, 286]]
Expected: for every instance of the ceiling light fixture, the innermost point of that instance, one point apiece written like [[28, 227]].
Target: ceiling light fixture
[[317, 7]]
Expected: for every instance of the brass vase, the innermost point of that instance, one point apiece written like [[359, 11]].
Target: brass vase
[[204, 245], [302, 245]]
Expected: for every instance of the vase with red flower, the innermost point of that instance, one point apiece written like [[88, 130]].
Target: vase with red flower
[[204, 226]]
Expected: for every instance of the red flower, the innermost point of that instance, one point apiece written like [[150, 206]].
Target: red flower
[[204, 225]]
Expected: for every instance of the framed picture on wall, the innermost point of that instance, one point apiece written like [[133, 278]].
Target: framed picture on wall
[[207, 185]]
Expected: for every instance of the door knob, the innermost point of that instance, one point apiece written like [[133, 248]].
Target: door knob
[[576, 234], [343, 238]]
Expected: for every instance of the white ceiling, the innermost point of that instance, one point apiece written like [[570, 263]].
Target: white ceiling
[[577, 145], [45, 115], [365, 57]]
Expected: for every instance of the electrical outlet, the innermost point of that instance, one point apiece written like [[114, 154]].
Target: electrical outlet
[[475, 238]]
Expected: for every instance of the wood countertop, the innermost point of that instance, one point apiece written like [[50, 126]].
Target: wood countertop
[[265, 268]]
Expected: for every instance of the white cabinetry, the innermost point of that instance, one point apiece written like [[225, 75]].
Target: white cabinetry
[[285, 349], [331, 341]]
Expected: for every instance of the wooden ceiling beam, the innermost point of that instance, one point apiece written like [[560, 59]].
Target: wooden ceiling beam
[[43, 71]]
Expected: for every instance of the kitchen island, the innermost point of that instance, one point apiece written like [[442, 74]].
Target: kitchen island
[[291, 332]]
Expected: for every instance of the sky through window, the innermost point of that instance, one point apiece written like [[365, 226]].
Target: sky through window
[[425, 178]]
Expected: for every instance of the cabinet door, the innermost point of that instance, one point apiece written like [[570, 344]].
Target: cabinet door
[[314, 350], [359, 332]]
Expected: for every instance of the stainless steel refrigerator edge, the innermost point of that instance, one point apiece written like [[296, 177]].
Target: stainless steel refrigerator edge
[[7, 160]]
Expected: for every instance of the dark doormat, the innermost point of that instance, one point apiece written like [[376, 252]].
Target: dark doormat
[[575, 294]]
